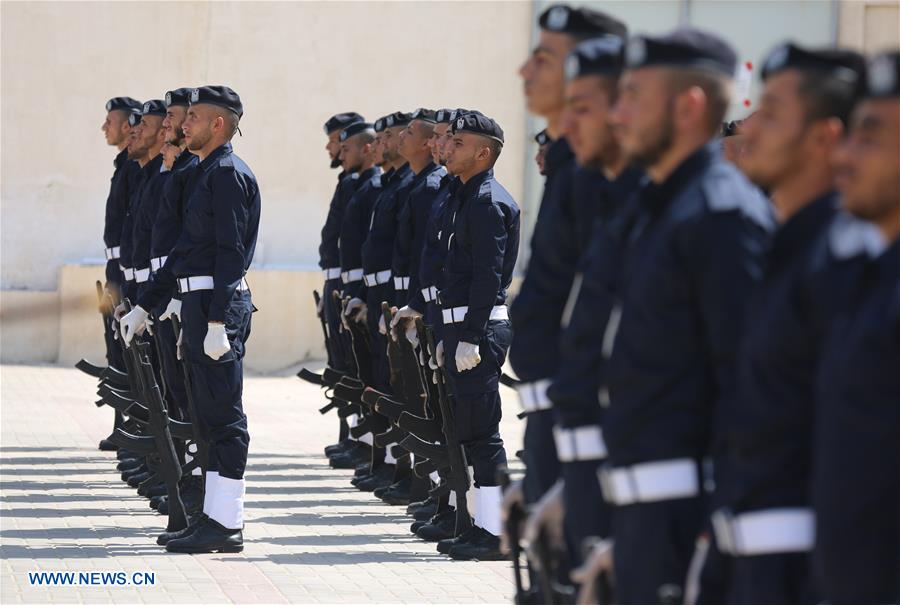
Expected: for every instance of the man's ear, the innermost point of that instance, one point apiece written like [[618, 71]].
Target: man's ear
[[484, 153]]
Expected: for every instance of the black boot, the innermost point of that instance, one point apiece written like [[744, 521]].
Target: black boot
[[107, 446], [444, 546], [192, 493], [382, 477], [193, 523], [154, 501], [481, 545], [398, 493], [439, 528], [129, 463], [210, 536]]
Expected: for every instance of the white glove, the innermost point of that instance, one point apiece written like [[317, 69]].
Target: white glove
[[172, 309], [600, 559], [412, 335], [216, 342], [438, 360], [356, 309], [467, 356], [547, 519], [133, 323], [119, 311], [178, 345], [381, 327], [403, 315]]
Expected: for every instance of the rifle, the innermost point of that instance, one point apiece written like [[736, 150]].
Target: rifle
[[329, 346], [201, 457], [516, 515], [144, 383], [458, 479]]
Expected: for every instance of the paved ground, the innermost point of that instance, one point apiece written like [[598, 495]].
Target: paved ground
[[310, 537]]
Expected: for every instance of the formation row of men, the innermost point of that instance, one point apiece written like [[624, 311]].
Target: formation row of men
[[708, 363], [180, 232]]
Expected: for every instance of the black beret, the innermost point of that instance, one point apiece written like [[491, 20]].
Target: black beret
[[684, 47], [426, 115], [134, 118], [445, 116], [179, 96], [542, 138], [222, 96], [580, 22], [843, 65], [884, 75], [597, 56], [342, 120], [477, 123], [124, 103], [354, 128], [156, 107], [398, 118]]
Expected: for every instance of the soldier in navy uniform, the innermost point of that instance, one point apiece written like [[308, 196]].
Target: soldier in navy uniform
[[117, 130], [599, 187], [693, 254], [329, 253], [482, 241], [856, 470], [208, 265], [538, 307], [765, 523]]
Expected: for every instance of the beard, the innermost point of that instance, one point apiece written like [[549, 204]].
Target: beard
[[653, 149], [197, 142], [335, 163], [177, 137]]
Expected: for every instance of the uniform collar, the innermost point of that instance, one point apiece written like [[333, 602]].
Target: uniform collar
[[152, 167], [217, 153], [183, 159], [474, 183], [368, 173], [425, 171], [657, 196], [121, 158], [805, 226], [558, 154]]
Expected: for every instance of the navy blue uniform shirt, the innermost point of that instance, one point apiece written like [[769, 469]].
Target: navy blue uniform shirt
[[136, 189], [355, 226], [561, 230], [482, 246], [147, 209], [693, 258], [329, 252], [431, 260], [221, 222], [116, 207], [167, 226], [412, 225], [378, 249]]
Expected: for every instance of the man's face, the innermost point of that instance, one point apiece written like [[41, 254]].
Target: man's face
[[439, 140], [391, 143], [136, 148], [413, 139], [333, 147], [351, 155], [151, 127], [641, 118], [462, 151], [198, 126], [776, 141], [867, 174], [586, 120], [115, 127], [175, 116], [378, 149], [542, 73]]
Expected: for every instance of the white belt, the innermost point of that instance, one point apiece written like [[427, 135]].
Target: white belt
[[141, 275], [111, 253], [203, 282], [650, 481], [533, 395], [458, 314], [332, 273], [430, 294], [157, 263], [581, 443], [401, 283], [127, 273], [376, 279], [765, 532], [351, 276]]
